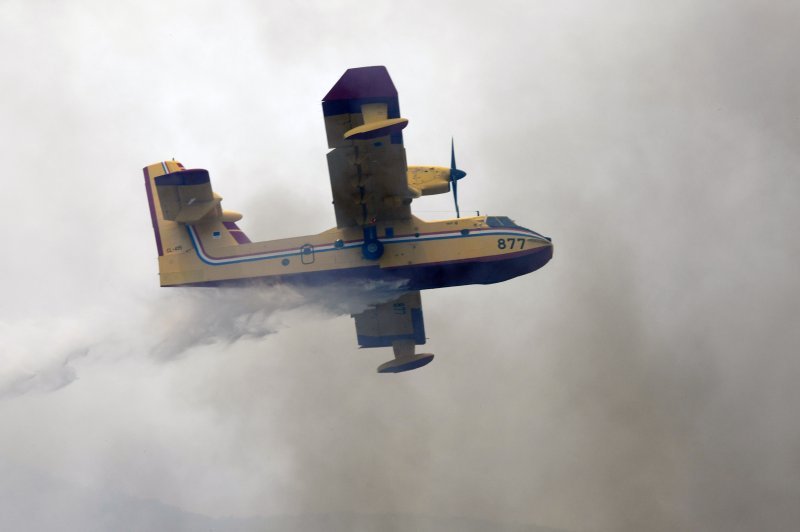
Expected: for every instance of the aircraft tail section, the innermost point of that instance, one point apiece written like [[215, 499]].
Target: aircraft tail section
[[184, 209]]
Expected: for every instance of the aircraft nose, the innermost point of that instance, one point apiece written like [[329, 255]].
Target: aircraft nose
[[541, 238]]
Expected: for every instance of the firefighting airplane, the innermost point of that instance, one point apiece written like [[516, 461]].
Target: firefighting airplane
[[376, 236]]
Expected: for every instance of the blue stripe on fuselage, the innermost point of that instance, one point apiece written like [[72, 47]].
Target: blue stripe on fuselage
[[221, 261]]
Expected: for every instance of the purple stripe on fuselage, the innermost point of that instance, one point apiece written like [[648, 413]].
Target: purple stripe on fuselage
[[153, 216], [237, 233], [240, 237]]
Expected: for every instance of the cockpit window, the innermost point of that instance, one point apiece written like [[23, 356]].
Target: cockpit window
[[500, 221]]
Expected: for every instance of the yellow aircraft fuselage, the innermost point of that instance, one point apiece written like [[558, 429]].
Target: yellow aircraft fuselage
[[422, 254]]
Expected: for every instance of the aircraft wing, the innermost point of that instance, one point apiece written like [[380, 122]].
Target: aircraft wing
[[367, 164], [396, 321]]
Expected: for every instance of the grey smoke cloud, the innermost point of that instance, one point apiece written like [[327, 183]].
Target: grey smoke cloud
[[167, 327], [644, 380]]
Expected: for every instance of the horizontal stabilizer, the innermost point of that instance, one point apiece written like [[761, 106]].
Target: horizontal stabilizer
[[186, 197]]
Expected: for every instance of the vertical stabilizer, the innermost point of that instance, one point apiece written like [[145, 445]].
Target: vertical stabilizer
[[180, 199], [170, 235]]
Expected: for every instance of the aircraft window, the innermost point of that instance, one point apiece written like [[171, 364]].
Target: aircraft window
[[500, 221], [339, 243]]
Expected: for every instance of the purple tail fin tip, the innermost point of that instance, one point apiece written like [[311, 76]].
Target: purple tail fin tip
[[363, 82]]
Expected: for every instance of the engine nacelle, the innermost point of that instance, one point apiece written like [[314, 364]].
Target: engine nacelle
[[428, 180]]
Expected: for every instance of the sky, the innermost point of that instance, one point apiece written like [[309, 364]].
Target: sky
[[645, 379]]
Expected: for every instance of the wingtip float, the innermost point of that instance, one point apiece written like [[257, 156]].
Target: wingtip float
[[376, 236]]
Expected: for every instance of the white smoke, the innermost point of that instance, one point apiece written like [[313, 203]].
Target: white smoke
[[42, 355]]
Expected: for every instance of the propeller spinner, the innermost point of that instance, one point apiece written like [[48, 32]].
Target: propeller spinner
[[455, 175]]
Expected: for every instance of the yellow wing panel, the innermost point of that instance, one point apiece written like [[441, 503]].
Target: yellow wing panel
[[367, 166], [369, 183], [391, 322]]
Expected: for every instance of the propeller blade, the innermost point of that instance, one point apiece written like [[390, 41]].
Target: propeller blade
[[455, 197], [455, 175]]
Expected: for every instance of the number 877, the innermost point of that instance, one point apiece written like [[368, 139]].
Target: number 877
[[510, 243]]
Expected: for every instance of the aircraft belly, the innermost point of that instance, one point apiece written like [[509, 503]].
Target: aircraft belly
[[441, 260], [481, 270]]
